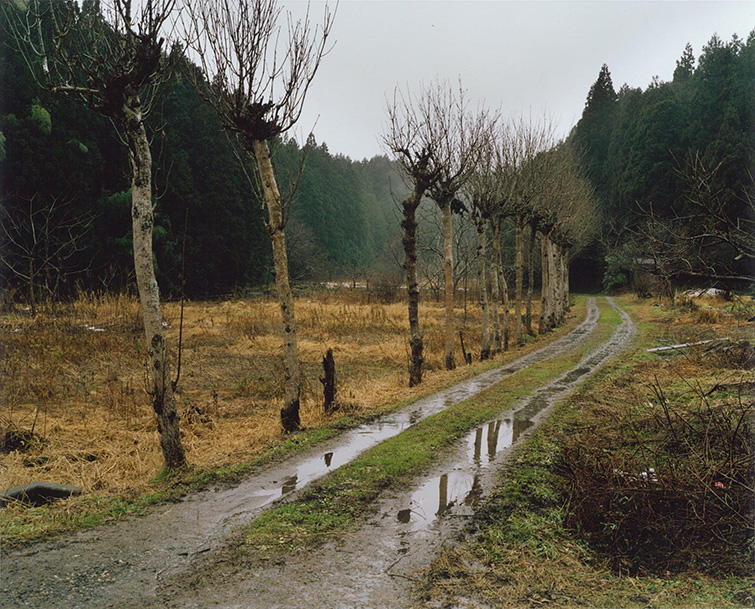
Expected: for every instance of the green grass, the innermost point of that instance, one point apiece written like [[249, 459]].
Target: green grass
[[524, 555], [37, 524], [343, 499]]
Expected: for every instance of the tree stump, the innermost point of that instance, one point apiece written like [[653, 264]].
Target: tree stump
[[329, 382]]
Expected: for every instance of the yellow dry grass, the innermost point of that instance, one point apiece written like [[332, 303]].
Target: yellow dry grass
[[76, 378]]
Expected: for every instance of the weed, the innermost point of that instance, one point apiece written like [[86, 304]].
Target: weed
[[570, 537], [708, 315], [680, 496]]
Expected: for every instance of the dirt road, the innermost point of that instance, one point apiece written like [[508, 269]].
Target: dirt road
[[147, 561]]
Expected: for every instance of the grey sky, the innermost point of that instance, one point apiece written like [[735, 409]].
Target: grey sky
[[520, 56]]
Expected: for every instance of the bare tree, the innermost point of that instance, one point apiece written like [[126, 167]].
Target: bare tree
[[258, 81], [112, 57], [531, 139], [530, 276], [459, 136], [482, 190], [566, 215], [502, 205], [39, 240], [711, 238], [408, 139]]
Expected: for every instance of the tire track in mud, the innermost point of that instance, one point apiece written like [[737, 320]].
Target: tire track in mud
[[125, 563], [374, 566]]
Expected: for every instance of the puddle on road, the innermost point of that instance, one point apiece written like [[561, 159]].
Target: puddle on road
[[463, 484], [367, 436]]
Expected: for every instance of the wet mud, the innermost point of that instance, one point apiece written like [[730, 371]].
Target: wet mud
[[375, 566], [136, 562]]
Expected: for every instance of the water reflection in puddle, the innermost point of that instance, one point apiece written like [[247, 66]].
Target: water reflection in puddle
[[491, 439], [462, 485]]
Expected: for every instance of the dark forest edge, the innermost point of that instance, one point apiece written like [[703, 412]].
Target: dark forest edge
[[663, 160]]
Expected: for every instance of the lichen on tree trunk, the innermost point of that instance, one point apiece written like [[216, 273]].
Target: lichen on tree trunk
[[448, 272], [482, 280], [543, 283], [530, 278], [290, 419], [519, 267], [161, 391], [409, 241], [503, 288]]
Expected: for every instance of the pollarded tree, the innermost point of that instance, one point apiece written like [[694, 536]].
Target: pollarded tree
[[481, 190], [258, 81], [459, 136], [567, 217], [531, 139], [519, 179], [112, 57], [500, 207], [409, 140]]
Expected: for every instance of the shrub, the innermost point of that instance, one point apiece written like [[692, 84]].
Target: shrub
[[679, 493]]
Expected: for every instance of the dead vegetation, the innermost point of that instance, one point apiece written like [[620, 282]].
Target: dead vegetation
[[677, 489], [76, 411], [669, 486], [638, 492]]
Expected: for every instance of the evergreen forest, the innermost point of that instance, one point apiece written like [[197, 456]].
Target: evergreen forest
[[672, 167], [647, 154], [67, 206]]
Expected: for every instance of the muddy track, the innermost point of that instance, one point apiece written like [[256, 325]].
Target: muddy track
[[142, 561]]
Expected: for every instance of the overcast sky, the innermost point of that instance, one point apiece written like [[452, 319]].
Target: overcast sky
[[520, 57]]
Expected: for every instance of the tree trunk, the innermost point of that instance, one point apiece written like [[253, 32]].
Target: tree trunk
[[561, 304], [161, 390], [495, 296], [519, 245], [448, 270], [567, 305], [483, 282], [409, 241], [543, 283], [556, 254], [32, 290], [530, 278], [290, 411], [552, 280], [503, 288]]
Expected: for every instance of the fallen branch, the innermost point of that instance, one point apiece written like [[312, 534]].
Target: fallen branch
[[688, 345]]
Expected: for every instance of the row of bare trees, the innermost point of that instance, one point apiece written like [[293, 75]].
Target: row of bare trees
[[114, 56], [499, 171]]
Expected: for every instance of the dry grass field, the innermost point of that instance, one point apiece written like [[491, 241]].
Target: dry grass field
[[75, 408]]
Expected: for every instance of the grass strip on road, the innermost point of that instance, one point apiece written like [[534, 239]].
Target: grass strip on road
[[345, 497], [523, 554]]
